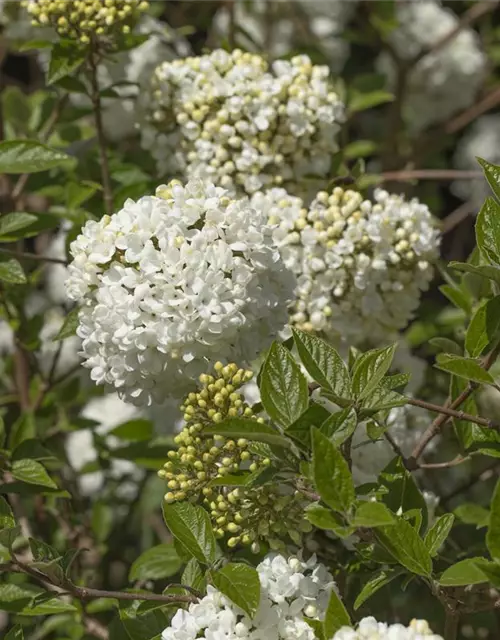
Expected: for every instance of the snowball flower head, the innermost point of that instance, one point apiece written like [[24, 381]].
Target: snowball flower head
[[84, 19], [172, 282], [360, 265], [369, 629], [443, 81], [481, 140], [245, 125], [291, 590]]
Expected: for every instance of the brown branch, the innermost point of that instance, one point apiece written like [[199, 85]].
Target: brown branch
[[453, 413], [451, 404], [444, 465], [407, 175], [469, 17], [31, 256], [95, 96]]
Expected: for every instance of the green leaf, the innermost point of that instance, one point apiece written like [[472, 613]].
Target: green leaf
[[369, 369], [490, 569], [37, 224], [16, 633], [43, 552], [405, 545], [381, 399], [472, 513], [101, 520], [193, 576], [457, 296], [69, 325], [336, 616], [340, 425], [65, 59], [12, 272], [446, 345], [300, 430], [32, 472], [29, 156], [241, 584], [331, 474], [7, 519], [14, 222], [373, 585], [483, 270], [323, 363], [401, 492], [493, 534], [23, 429], [488, 231], [492, 175], [249, 429], [373, 514], [437, 534], [190, 525], [463, 573], [363, 101], [135, 430], [360, 149], [317, 627], [484, 327], [464, 368], [9, 535], [398, 380], [324, 518], [283, 387], [156, 563]]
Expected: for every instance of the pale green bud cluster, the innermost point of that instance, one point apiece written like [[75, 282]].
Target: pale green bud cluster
[[242, 515], [84, 20]]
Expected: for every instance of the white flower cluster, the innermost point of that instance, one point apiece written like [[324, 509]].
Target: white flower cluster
[[481, 140], [173, 282], [443, 81], [370, 629], [230, 118], [279, 27], [360, 265], [290, 590]]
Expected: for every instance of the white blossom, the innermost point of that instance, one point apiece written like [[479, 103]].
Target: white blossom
[[444, 81], [370, 629], [173, 282], [360, 265], [481, 140], [291, 590], [245, 125]]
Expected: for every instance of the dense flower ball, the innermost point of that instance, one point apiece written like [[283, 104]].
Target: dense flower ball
[[85, 19], [291, 591], [444, 81], [369, 628], [481, 140], [244, 125], [172, 282], [245, 514], [360, 265]]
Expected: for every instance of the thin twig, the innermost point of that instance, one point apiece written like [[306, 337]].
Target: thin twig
[[460, 121], [32, 256], [457, 216], [406, 175], [444, 465], [101, 138], [474, 13], [453, 413], [443, 418]]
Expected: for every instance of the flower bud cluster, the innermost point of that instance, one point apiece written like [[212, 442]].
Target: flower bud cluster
[[370, 628], [172, 283], [231, 118], [360, 265], [243, 514], [291, 591], [86, 19]]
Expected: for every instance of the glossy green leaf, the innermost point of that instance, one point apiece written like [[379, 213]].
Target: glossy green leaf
[[488, 231], [283, 387], [69, 325], [29, 156], [190, 525], [156, 563], [331, 474], [405, 545], [11, 222], [7, 519], [463, 573], [485, 271], [492, 175], [340, 426], [336, 616], [327, 519], [484, 327], [472, 513], [369, 370], [64, 60], [32, 472], [464, 368], [363, 101], [134, 430], [12, 272], [323, 363], [437, 534], [241, 584], [249, 429], [374, 584], [373, 514], [300, 430]]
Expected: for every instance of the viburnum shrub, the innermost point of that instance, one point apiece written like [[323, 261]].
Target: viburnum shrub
[[249, 338]]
